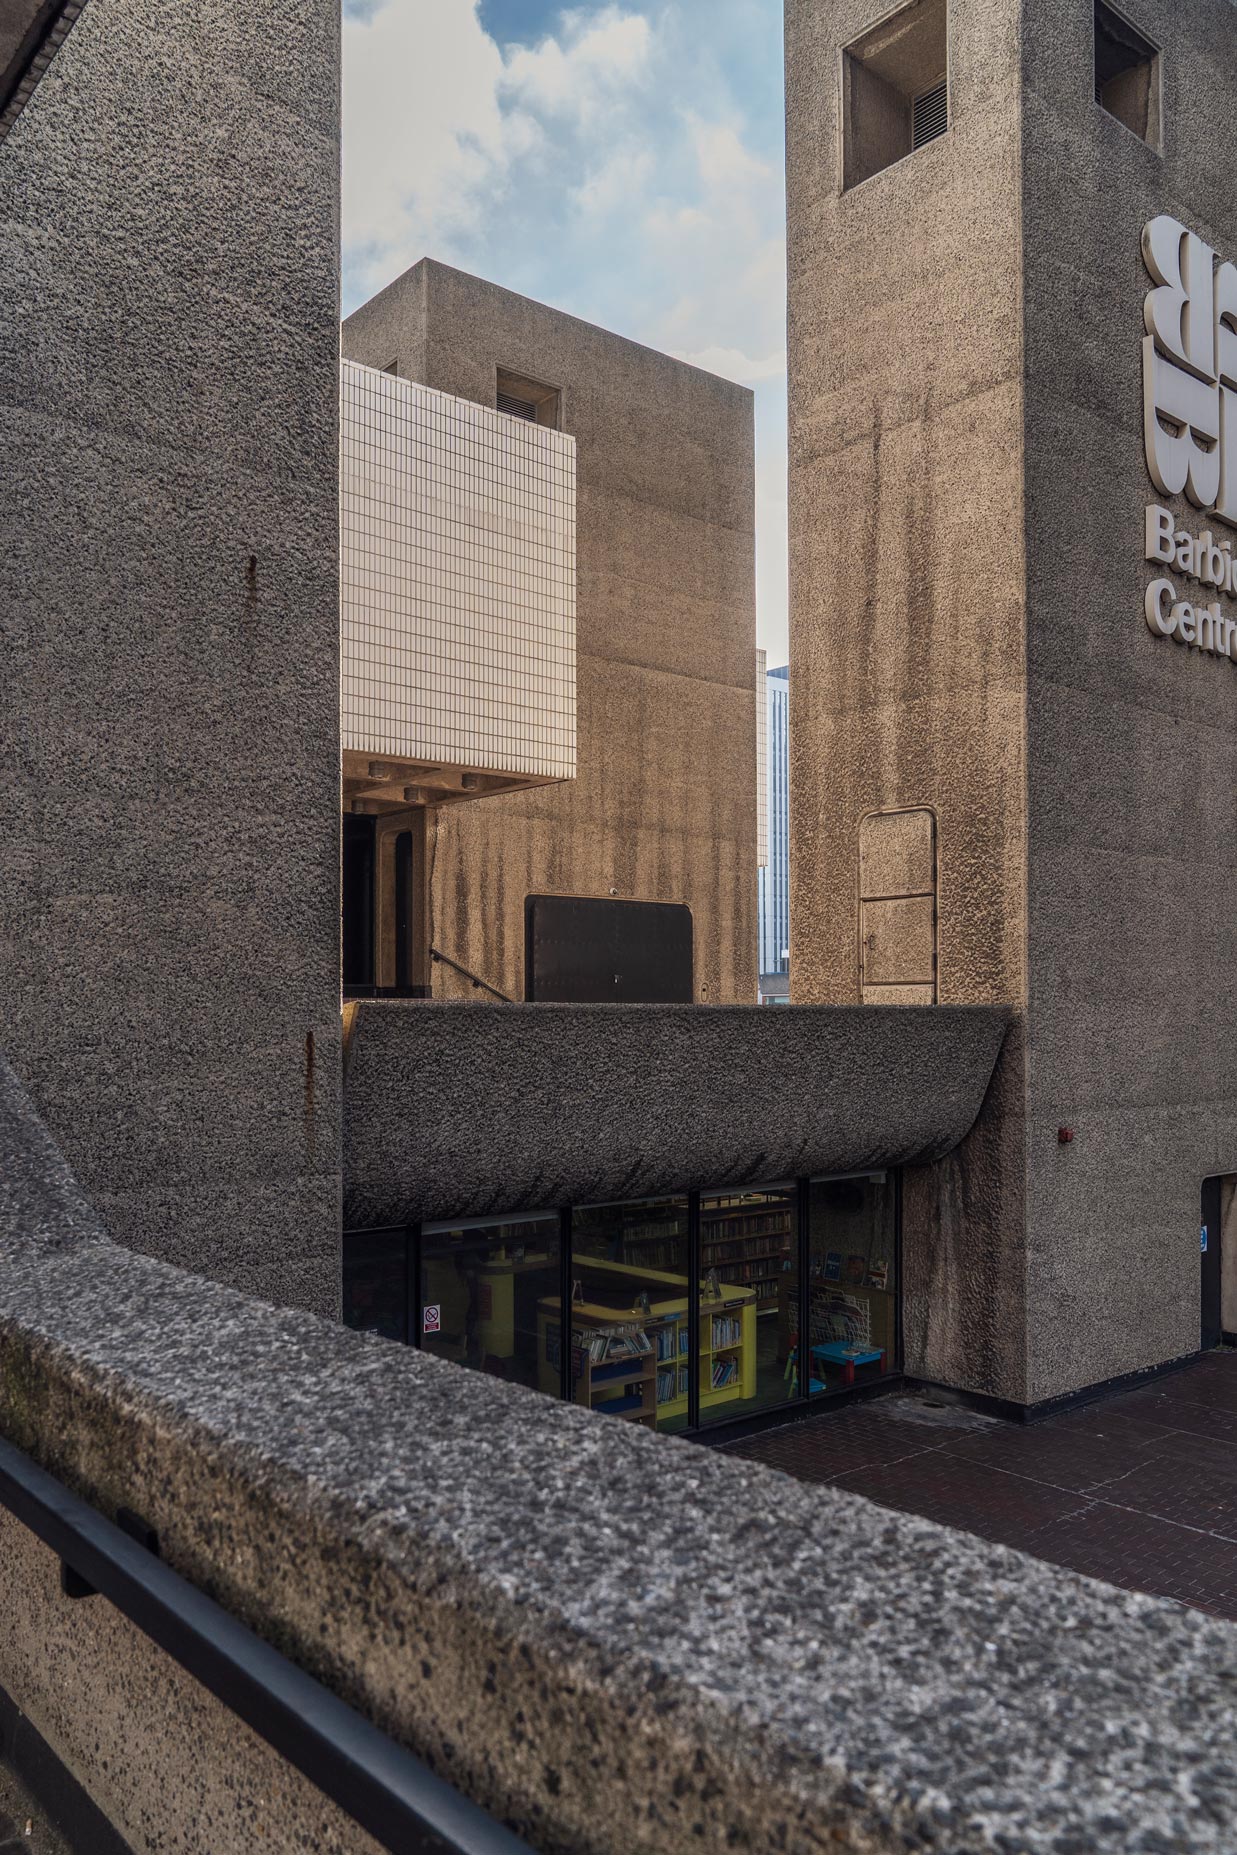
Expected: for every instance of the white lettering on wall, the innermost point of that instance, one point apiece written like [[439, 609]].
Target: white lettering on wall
[[1190, 430], [1193, 557], [1190, 369]]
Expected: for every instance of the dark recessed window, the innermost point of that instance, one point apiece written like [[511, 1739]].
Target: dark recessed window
[[1127, 74], [522, 398], [895, 89]]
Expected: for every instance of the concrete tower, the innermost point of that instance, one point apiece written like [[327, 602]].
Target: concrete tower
[[1014, 758]]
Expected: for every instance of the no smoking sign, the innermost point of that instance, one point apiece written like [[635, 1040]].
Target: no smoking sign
[[431, 1319]]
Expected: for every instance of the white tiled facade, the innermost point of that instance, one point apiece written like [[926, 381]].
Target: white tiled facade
[[458, 568]]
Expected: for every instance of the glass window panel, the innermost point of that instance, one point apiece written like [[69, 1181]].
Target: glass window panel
[[749, 1275], [490, 1298], [852, 1292], [629, 1311], [375, 1281]]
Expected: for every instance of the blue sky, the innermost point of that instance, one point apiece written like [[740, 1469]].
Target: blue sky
[[620, 159]]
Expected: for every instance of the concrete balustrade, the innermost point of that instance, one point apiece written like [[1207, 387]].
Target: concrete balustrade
[[615, 1641]]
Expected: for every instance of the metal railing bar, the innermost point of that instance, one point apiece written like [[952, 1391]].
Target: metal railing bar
[[482, 985], [379, 1784]]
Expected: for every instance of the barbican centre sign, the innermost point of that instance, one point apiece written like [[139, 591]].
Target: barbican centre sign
[[1190, 428]]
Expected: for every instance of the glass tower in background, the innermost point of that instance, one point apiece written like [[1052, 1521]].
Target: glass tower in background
[[775, 876]]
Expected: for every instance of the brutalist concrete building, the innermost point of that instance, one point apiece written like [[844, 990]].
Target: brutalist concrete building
[[652, 825], [458, 654], [169, 595], [1013, 368], [266, 1581]]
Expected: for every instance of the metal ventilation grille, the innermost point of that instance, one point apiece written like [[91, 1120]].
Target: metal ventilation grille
[[518, 408], [930, 115]]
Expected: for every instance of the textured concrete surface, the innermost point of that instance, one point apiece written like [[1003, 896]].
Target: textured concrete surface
[[169, 911], [907, 608], [510, 1584], [449, 1112], [1139, 1489], [663, 807], [966, 506], [1132, 751], [16, 19]]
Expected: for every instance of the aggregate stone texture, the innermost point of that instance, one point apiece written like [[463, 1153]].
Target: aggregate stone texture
[[1139, 1489], [169, 871], [457, 1112], [967, 493], [1132, 749], [613, 1640], [663, 805]]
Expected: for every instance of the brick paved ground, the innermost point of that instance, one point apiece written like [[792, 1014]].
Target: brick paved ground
[[1140, 1489]]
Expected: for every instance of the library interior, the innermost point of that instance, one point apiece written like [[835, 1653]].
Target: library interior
[[683, 1312]]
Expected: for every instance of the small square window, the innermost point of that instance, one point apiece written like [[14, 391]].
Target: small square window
[[895, 90], [522, 398], [1127, 74]]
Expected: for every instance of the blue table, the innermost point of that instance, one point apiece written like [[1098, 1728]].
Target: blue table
[[837, 1352]]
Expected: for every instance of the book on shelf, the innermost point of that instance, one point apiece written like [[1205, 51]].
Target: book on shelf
[[606, 1343], [671, 1384], [722, 1228], [727, 1330], [669, 1342], [725, 1372]]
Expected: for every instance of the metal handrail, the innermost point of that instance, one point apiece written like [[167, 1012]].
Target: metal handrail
[[379, 1784], [480, 984]]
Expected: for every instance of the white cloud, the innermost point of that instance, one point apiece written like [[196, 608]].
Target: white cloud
[[587, 69], [624, 166]]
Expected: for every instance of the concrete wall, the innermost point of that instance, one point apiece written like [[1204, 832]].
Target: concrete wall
[[907, 603], [663, 807], [1132, 740], [968, 488], [169, 915], [616, 1641]]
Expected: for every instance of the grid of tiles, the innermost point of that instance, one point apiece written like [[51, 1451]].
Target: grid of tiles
[[458, 565]]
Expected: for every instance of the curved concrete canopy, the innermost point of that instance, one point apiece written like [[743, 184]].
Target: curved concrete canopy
[[464, 1111]]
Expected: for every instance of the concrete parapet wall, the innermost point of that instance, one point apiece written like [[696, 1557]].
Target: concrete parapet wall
[[617, 1641]]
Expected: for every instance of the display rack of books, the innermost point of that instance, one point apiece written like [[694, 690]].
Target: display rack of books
[[752, 1245], [614, 1369], [635, 1363]]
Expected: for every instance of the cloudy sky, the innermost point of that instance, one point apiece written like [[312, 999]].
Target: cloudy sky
[[620, 159]]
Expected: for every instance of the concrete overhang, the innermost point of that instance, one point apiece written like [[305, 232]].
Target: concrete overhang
[[464, 1111]]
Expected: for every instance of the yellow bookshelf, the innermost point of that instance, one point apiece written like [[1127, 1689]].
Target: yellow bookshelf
[[606, 1323]]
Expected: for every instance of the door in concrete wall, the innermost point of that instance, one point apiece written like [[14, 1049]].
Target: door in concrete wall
[[897, 907], [1212, 1254]]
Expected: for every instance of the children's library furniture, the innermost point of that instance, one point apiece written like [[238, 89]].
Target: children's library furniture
[[633, 1363]]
